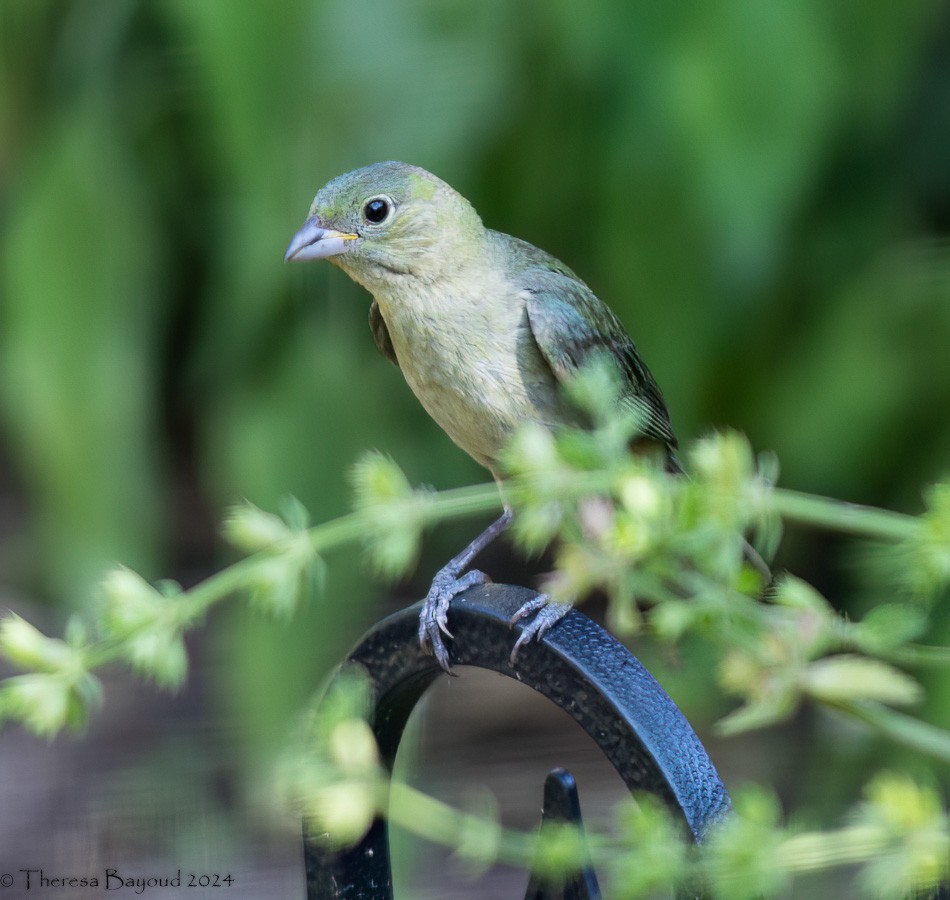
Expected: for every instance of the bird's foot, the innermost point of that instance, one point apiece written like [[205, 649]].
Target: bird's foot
[[433, 620], [546, 614]]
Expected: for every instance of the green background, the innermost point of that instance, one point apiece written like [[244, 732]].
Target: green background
[[761, 190]]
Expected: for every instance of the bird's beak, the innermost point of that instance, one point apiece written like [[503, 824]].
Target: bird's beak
[[313, 241]]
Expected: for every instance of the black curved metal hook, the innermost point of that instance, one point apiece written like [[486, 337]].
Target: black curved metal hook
[[577, 665]]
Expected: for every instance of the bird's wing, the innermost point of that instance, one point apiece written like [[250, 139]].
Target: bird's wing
[[570, 324], [384, 342]]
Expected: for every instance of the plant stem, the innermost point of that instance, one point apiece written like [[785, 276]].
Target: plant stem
[[918, 655], [435, 821], [838, 515], [811, 851], [900, 728]]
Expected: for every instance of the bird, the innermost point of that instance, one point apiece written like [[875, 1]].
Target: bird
[[486, 329]]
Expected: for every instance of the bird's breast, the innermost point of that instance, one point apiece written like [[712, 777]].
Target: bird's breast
[[471, 360]]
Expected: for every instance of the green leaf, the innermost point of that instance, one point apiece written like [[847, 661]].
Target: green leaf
[[850, 678], [890, 625], [160, 654], [250, 529], [536, 524], [378, 480], [294, 513], [27, 647], [49, 702], [755, 715], [278, 584]]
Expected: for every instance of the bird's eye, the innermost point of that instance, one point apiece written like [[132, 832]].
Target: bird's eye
[[376, 209]]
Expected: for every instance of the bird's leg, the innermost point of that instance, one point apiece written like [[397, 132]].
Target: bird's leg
[[448, 582], [547, 613]]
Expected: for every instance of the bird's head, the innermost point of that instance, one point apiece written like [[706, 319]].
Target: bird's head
[[388, 219]]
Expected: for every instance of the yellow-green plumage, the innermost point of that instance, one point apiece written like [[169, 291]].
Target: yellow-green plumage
[[484, 327], [462, 343]]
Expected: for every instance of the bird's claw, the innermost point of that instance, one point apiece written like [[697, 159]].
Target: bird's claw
[[433, 619], [547, 613]]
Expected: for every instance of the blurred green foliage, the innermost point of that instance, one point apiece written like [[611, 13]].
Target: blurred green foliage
[[761, 191]]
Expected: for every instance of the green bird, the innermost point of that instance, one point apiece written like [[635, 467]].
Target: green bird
[[485, 327]]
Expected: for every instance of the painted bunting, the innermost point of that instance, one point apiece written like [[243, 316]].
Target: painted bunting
[[485, 327]]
